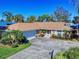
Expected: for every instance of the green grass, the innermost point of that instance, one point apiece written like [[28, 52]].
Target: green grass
[[6, 52], [72, 53], [60, 56]]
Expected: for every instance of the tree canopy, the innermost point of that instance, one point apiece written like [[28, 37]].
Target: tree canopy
[[18, 18], [75, 3], [45, 18], [31, 19], [8, 15], [62, 14]]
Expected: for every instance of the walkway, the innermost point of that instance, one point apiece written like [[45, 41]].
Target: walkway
[[41, 47]]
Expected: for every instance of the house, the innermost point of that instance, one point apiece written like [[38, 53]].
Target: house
[[4, 24], [75, 28], [31, 29]]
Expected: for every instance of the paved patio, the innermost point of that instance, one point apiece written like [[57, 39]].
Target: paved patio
[[41, 47]]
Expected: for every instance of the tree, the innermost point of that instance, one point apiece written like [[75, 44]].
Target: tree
[[75, 3], [18, 18], [8, 15], [31, 19], [76, 20], [50, 18], [39, 19], [42, 18], [61, 14], [45, 18]]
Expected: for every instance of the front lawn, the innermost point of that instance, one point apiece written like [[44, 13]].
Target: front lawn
[[6, 52]]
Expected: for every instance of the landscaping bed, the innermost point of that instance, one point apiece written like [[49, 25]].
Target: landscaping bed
[[11, 42], [72, 53], [8, 51]]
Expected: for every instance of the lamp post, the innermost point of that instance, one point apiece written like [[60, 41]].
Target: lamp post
[[51, 53]]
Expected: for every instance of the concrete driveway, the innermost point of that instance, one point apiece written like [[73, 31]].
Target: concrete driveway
[[41, 47]]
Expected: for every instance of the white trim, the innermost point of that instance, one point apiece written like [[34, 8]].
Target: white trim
[[47, 35], [30, 38]]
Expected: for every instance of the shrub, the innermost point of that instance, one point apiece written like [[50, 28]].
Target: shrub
[[24, 40], [43, 31], [72, 53], [41, 35], [15, 45], [5, 38], [53, 36], [13, 37], [1, 33]]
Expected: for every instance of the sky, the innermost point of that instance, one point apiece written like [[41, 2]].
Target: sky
[[34, 7]]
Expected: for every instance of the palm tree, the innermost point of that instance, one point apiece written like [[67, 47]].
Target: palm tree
[[31, 19], [19, 18], [8, 15]]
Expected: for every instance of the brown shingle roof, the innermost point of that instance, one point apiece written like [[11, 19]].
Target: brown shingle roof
[[39, 25]]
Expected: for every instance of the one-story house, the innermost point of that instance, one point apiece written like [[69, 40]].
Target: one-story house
[[31, 29]]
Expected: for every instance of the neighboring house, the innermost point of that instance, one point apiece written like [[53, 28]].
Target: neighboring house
[[4, 24], [31, 29], [76, 28]]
